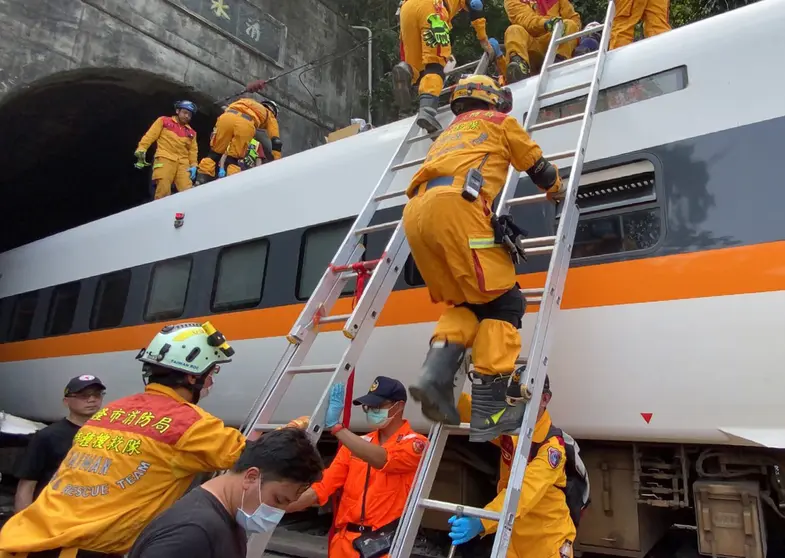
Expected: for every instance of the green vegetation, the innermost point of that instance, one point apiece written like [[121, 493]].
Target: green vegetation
[[380, 17]]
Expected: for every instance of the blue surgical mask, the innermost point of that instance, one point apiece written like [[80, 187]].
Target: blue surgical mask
[[263, 520]]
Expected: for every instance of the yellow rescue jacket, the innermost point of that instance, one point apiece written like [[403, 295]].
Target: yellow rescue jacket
[[532, 15], [176, 142], [133, 459], [547, 523]]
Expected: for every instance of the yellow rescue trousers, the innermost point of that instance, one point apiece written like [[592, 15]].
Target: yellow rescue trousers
[[518, 41], [167, 172], [231, 135], [452, 245], [416, 53], [655, 15]]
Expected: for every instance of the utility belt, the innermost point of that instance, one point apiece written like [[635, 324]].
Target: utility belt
[[215, 156], [505, 231], [370, 543], [241, 114]]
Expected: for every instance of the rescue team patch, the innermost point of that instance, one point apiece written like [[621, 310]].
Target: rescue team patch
[[554, 457], [418, 446]]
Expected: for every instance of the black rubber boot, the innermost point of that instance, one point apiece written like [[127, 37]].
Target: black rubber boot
[[402, 84], [426, 118], [517, 70], [436, 389], [496, 409]]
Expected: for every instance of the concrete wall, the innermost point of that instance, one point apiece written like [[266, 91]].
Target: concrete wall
[[174, 39]]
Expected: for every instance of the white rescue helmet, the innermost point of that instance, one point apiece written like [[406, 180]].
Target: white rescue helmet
[[190, 348]]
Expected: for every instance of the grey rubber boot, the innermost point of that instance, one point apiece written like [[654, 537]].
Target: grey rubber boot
[[517, 70], [435, 391], [496, 409], [402, 84], [426, 117]]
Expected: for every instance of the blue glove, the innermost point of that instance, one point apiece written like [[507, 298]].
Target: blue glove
[[464, 529], [335, 406], [221, 173], [192, 170], [476, 5], [496, 48]]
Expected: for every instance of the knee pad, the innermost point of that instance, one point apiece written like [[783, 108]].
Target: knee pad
[[508, 307], [433, 68]]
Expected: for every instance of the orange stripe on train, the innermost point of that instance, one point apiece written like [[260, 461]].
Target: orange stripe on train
[[720, 272]]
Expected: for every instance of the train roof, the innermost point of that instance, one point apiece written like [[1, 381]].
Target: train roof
[[726, 81]]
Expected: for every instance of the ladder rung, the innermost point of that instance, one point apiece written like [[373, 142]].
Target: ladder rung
[[534, 198], [407, 164], [389, 195], [520, 361], [352, 269], [539, 250], [449, 89], [533, 299], [560, 155], [538, 241], [557, 122], [579, 34], [267, 427], [421, 137], [466, 66], [574, 60], [314, 369], [334, 319], [462, 428], [449, 507], [377, 228], [533, 292], [564, 90]]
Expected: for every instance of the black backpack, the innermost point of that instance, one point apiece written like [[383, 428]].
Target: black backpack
[[577, 491]]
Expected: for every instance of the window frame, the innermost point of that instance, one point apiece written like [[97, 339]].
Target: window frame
[[163, 316], [301, 260], [50, 311], [233, 307], [101, 278], [36, 295]]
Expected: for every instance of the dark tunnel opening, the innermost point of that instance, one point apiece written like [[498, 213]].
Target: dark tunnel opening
[[67, 144]]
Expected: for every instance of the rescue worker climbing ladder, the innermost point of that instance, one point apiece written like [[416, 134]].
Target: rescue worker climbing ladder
[[460, 250], [425, 50], [176, 152]]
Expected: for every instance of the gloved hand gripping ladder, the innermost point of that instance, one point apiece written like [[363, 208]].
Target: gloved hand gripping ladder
[[549, 297], [358, 325]]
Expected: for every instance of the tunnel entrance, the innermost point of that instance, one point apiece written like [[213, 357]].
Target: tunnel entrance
[[67, 143]]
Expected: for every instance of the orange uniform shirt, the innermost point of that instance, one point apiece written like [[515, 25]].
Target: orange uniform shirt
[[131, 461], [175, 141]]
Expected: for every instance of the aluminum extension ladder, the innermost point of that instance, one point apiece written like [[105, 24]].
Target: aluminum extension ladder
[[358, 325], [561, 246]]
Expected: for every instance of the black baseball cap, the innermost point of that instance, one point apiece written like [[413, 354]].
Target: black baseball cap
[[383, 390], [75, 385]]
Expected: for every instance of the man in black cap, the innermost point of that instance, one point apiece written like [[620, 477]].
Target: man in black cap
[[375, 471], [48, 447]]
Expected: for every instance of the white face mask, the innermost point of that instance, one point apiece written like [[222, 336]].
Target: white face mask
[[263, 520]]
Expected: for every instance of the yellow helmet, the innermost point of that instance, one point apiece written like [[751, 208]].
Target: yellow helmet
[[482, 88]]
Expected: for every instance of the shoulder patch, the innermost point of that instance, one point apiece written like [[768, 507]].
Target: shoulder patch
[[554, 457], [418, 446]]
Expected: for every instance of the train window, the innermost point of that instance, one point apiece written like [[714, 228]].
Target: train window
[[411, 274], [22, 317], [239, 278], [621, 95], [111, 294], [612, 234], [62, 308], [167, 290], [319, 246], [619, 186]]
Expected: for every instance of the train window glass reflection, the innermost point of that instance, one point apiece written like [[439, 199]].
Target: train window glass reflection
[[239, 279], [621, 95], [22, 318], [62, 308], [411, 274], [613, 234], [319, 246], [111, 294], [168, 288]]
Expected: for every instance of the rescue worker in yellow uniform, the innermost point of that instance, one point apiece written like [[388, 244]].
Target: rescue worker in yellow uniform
[[375, 471], [543, 527], [460, 248], [176, 152], [655, 15], [526, 40], [136, 456], [232, 134], [425, 50]]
